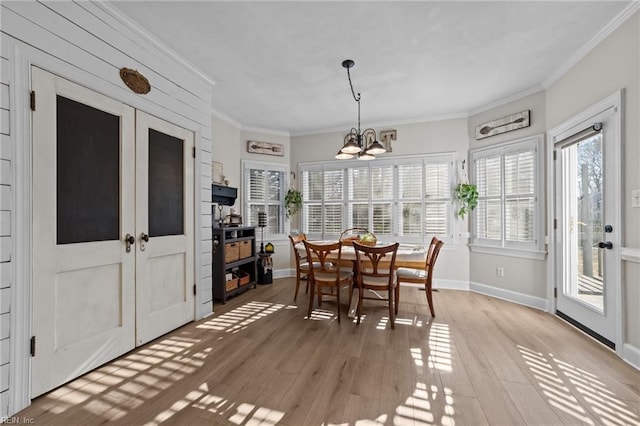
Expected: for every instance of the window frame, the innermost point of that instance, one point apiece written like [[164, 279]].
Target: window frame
[[394, 162], [267, 167], [531, 250]]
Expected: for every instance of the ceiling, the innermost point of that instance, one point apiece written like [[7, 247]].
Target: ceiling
[[277, 65]]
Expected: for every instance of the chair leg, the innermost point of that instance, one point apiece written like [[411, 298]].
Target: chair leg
[[430, 299], [359, 308], [397, 296], [338, 297], [311, 298], [392, 318], [295, 296]]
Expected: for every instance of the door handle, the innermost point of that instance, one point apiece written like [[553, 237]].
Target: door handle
[[608, 245], [144, 239], [129, 241]]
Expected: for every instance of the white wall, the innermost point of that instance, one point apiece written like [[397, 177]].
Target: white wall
[[230, 149], [87, 43], [524, 276], [420, 138], [611, 66]]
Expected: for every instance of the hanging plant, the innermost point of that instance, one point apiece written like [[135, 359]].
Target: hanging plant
[[292, 202], [467, 196]]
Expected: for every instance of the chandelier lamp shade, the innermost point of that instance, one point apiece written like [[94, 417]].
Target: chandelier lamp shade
[[363, 144]]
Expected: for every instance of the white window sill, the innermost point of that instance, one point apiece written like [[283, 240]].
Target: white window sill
[[510, 252]]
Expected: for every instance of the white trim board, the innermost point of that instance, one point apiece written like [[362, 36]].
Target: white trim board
[[509, 296], [631, 355], [630, 254]]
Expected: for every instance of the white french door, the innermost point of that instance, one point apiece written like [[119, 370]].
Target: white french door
[[164, 227], [587, 213], [105, 177]]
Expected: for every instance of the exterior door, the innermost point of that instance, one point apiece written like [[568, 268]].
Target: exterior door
[[83, 193], [588, 229], [164, 227], [112, 229]]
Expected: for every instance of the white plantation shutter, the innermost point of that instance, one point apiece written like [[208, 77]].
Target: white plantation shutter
[[488, 176], [385, 196], [507, 178], [437, 183], [264, 189]]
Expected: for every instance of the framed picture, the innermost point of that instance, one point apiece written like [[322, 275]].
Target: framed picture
[[386, 136], [502, 125], [217, 175]]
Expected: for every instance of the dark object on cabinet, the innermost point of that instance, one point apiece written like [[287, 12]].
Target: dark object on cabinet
[[234, 261]]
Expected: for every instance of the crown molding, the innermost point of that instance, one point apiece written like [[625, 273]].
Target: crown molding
[[224, 117], [271, 132], [508, 99], [615, 23], [345, 129], [129, 23]]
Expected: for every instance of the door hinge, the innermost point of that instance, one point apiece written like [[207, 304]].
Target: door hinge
[[33, 346], [555, 223], [193, 151], [32, 100], [555, 154], [194, 289], [555, 292]]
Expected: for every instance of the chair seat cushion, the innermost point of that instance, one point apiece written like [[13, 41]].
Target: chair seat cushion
[[416, 274], [316, 265], [330, 276], [377, 281]]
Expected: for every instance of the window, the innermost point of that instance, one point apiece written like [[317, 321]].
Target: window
[[264, 191], [509, 207], [407, 199]]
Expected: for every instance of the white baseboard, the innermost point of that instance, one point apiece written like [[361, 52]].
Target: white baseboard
[[284, 273], [510, 296], [631, 355]]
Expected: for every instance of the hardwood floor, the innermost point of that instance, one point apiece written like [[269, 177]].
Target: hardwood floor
[[258, 361]]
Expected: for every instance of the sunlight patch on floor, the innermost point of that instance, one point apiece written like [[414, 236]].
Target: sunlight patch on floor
[[440, 347], [562, 384], [241, 317]]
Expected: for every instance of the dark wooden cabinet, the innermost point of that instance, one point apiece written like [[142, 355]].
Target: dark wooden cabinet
[[234, 261]]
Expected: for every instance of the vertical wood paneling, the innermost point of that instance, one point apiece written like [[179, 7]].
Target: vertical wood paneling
[[5, 197], [5, 300], [5, 275], [5, 326], [5, 172], [5, 127], [5, 223], [6, 150], [4, 351], [5, 249], [4, 377]]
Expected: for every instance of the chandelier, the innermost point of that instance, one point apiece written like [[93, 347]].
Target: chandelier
[[364, 144]]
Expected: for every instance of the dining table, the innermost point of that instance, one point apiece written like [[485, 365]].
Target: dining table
[[408, 256]]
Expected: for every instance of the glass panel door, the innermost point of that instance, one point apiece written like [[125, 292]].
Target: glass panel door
[[583, 189]]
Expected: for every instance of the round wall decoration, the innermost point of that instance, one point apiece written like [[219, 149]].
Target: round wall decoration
[[135, 81]]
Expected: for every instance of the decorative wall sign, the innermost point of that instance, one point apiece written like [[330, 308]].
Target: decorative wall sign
[[217, 175], [135, 81], [267, 148], [503, 125], [386, 136]]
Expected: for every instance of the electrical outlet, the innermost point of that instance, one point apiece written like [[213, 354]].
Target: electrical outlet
[[635, 198], [500, 272]]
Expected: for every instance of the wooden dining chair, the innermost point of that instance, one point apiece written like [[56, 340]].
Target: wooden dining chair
[[372, 276], [302, 266], [423, 276], [325, 274]]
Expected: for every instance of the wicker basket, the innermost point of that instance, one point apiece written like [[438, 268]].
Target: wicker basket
[[245, 249], [347, 237], [243, 278], [231, 252], [232, 284]]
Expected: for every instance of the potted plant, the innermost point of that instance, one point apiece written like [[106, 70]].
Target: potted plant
[[292, 201], [467, 196]]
